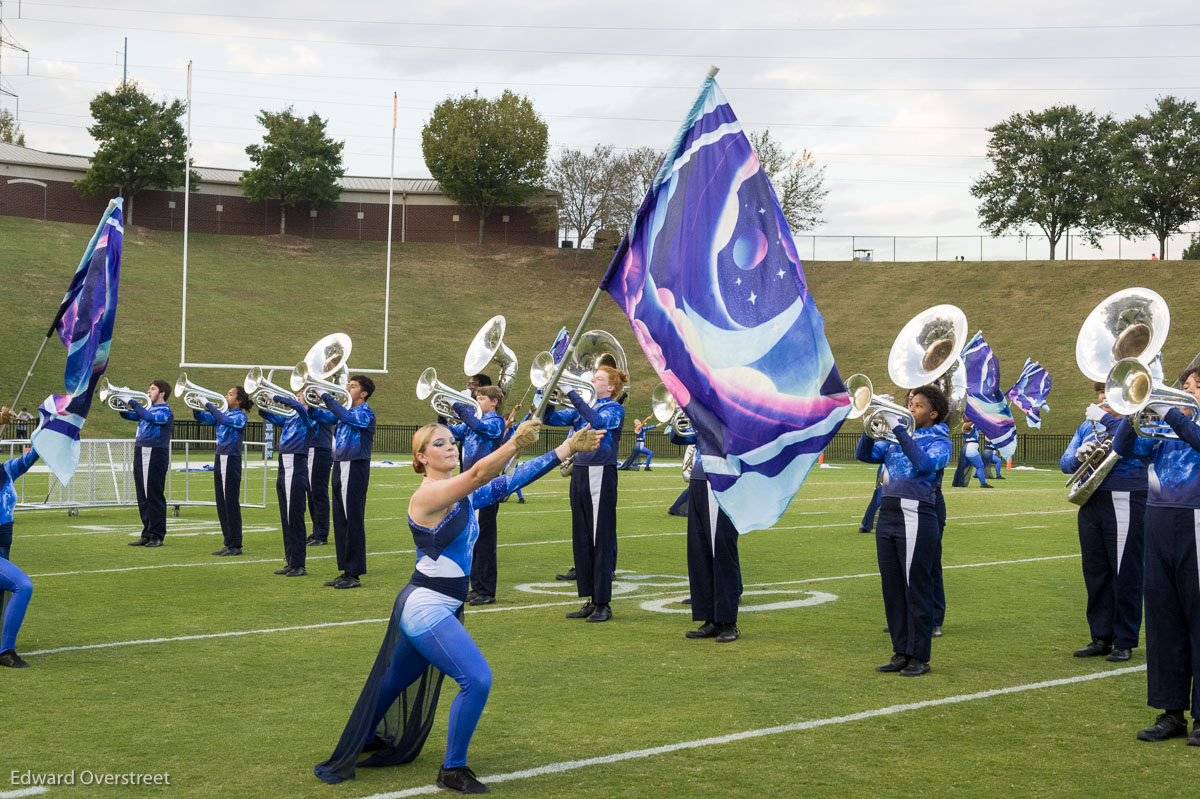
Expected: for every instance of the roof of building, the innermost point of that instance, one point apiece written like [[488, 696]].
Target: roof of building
[[12, 154]]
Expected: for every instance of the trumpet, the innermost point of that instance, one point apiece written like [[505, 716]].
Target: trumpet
[[666, 410], [488, 347], [195, 396], [1131, 388], [441, 397], [324, 370], [874, 408], [263, 391], [119, 397]]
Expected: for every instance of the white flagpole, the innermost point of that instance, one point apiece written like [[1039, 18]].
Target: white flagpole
[[387, 290], [187, 193]]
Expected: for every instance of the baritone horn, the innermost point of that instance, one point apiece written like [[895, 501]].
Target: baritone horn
[[593, 349], [263, 391], [1131, 388], [324, 370], [441, 397], [488, 347], [873, 409], [667, 411], [119, 397], [195, 396]]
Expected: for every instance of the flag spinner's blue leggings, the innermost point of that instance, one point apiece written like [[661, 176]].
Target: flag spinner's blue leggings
[[449, 647], [18, 582], [976, 460]]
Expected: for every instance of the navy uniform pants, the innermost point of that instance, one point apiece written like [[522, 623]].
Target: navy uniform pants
[[150, 466], [320, 461], [714, 571], [483, 563], [906, 542], [1172, 609], [227, 482], [1111, 544], [593, 494], [291, 488], [350, 480]]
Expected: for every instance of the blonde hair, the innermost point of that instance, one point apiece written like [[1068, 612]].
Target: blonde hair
[[616, 378], [420, 441]]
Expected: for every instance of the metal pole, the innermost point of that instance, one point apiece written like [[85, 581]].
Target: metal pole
[[535, 407], [893, 249], [387, 283], [981, 248], [125, 63], [937, 240], [187, 196]]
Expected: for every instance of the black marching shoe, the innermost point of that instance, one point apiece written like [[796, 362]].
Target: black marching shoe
[[483, 599], [937, 631], [297, 571], [1094, 649], [915, 668], [316, 542], [863, 530], [897, 663], [1168, 725], [472, 594], [706, 630], [284, 570], [587, 610], [986, 485], [727, 633], [12, 660], [460, 780], [1119, 655], [157, 542], [141, 542], [333, 582], [569, 575], [1194, 738], [601, 613], [347, 581], [688, 601]]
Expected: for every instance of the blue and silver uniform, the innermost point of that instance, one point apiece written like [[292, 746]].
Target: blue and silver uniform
[[12, 470], [604, 414], [910, 467], [154, 424], [1130, 472], [12, 578], [355, 433], [480, 435], [230, 424], [298, 432]]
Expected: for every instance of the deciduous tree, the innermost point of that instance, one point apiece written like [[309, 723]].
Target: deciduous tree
[[799, 182], [10, 129]]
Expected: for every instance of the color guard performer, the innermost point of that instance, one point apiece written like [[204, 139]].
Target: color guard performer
[[12, 578]]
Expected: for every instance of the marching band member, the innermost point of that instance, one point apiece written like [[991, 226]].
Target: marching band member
[[12, 578], [227, 465], [593, 492], [640, 428], [1111, 537], [151, 459], [353, 440], [296, 436], [714, 570], [907, 533], [320, 463], [426, 634], [479, 437], [1172, 572]]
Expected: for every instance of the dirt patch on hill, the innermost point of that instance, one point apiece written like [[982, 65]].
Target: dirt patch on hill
[[287, 242]]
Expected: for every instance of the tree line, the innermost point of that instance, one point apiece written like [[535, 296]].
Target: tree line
[[1067, 169]]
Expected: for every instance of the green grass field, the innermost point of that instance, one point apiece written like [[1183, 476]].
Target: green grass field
[[236, 682]]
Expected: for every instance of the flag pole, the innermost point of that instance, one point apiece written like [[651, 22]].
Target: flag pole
[[62, 309], [587, 314], [187, 195], [387, 283]]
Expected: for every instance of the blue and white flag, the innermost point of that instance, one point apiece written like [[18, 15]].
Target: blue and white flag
[[986, 405], [1030, 392], [85, 326], [712, 285]]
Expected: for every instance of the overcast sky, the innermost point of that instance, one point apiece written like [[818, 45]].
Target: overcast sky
[[893, 98]]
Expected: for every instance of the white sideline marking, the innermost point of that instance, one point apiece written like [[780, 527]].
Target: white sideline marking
[[717, 740], [24, 792], [1032, 527]]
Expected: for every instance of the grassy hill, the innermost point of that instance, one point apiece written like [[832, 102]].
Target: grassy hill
[[252, 300]]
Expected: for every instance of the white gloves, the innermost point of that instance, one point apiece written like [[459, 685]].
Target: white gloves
[[1085, 449], [1159, 409], [1094, 413]]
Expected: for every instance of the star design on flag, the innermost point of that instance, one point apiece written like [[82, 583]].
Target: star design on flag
[[753, 297], [781, 273], [762, 210], [738, 281]]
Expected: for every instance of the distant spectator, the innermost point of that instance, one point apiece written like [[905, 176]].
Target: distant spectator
[[23, 420], [1153, 256]]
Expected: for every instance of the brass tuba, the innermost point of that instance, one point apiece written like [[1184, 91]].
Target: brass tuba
[[488, 347], [263, 391], [324, 370], [119, 397], [441, 397], [195, 396]]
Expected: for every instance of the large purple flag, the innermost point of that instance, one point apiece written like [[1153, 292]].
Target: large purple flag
[[85, 326], [712, 285], [1030, 391], [986, 406]]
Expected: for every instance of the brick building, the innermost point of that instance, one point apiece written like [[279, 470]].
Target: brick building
[[40, 185]]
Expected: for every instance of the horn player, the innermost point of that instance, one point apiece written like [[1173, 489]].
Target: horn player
[[297, 437], [227, 464], [151, 459]]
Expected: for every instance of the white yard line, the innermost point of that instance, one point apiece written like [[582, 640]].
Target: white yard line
[[34, 791], [799, 726]]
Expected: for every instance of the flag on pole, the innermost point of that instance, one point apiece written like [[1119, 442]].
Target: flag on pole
[[986, 406], [712, 285], [1030, 391], [85, 326]]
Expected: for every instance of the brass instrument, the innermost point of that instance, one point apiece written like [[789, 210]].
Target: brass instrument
[[874, 408], [441, 397], [1131, 388], [263, 391], [324, 370], [1132, 323], [542, 369], [1093, 469], [593, 349], [195, 396], [689, 462], [488, 347], [667, 411], [119, 397]]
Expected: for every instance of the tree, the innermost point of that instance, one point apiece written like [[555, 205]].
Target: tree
[[1192, 251], [297, 164], [141, 145], [486, 154], [632, 173], [799, 183], [1049, 169], [584, 182], [10, 129], [1156, 171]]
